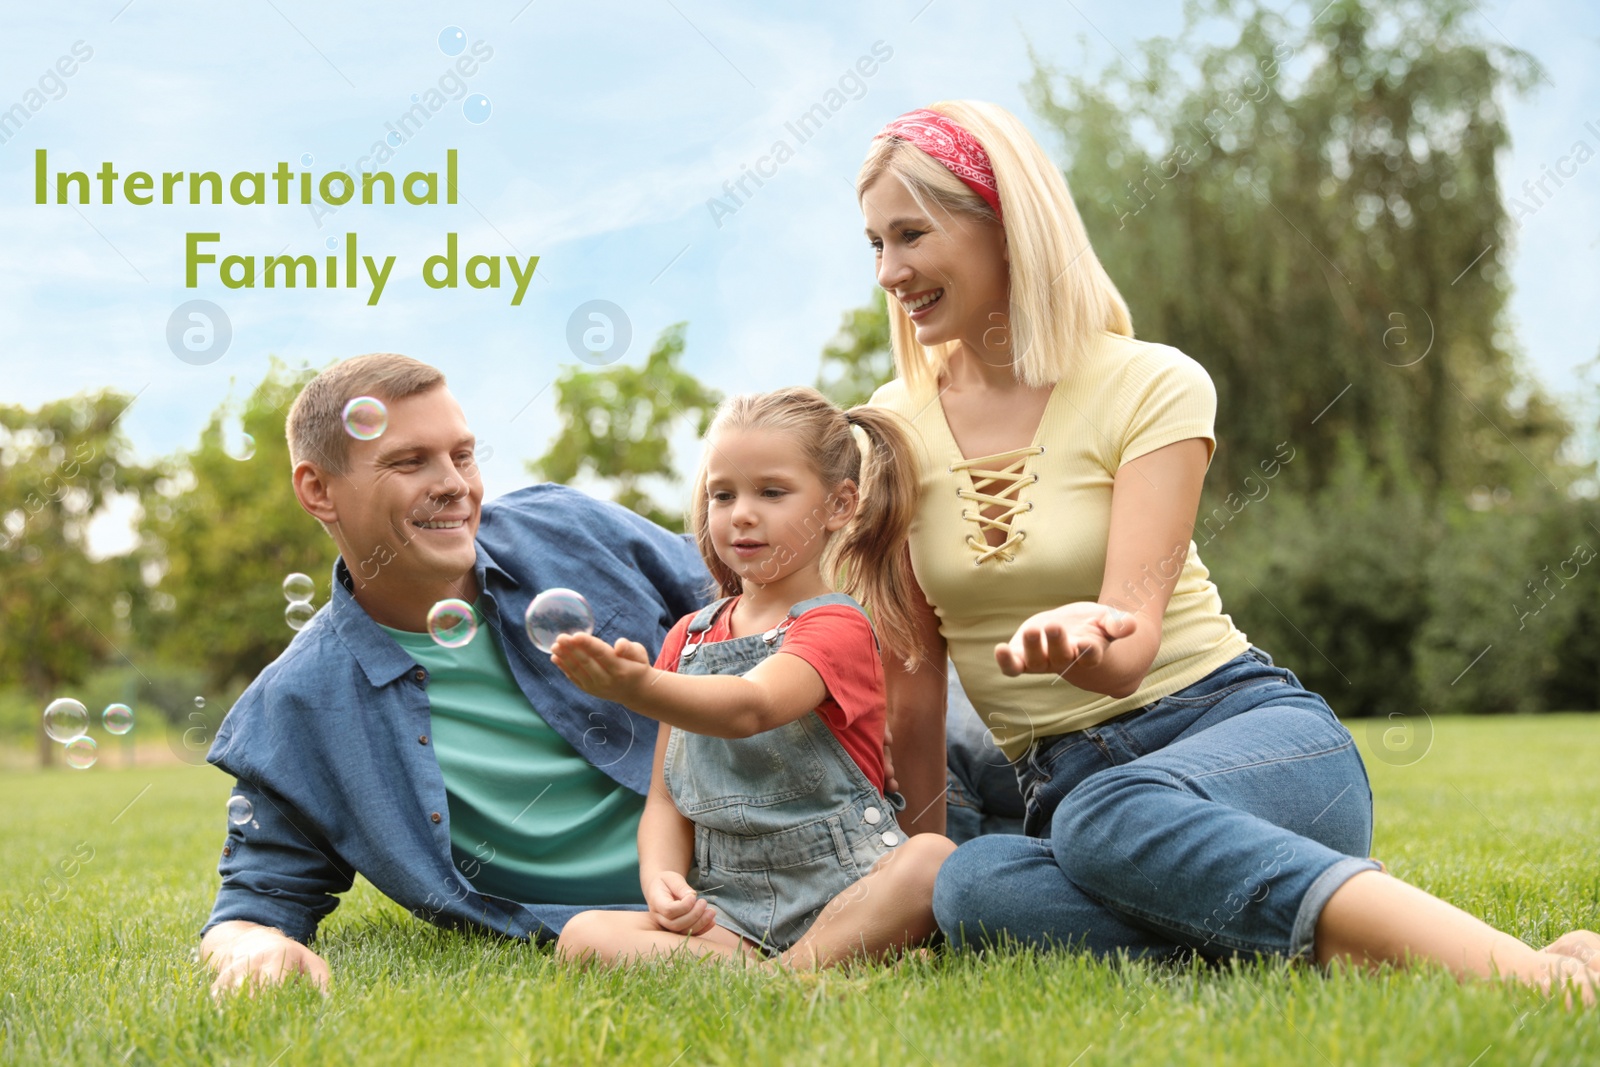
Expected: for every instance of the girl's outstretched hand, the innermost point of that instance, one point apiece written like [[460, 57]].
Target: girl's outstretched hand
[[675, 906], [1074, 635], [611, 673]]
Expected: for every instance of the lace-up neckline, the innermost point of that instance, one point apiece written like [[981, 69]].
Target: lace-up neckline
[[997, 481]]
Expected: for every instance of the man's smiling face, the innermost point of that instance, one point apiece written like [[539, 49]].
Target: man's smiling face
[[416, 490]]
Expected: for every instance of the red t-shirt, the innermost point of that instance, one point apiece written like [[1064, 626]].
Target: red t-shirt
[[836, 640]]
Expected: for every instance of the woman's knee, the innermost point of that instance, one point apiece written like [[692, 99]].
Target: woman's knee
[[968, 885]]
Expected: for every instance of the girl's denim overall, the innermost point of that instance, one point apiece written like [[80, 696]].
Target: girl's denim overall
[[785, 820]]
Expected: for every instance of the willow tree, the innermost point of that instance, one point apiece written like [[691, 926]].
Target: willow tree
[[1312, 212]]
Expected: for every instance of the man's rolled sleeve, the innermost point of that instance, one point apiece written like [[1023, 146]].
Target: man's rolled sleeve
[[276, 870]]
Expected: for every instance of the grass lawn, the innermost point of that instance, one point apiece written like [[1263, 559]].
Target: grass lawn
[[1500, 817]]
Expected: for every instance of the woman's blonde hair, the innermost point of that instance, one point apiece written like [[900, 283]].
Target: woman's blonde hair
[[867, 558], [1061, 297]]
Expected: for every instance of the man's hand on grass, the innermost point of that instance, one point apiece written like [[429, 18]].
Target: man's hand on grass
[[246, 955]]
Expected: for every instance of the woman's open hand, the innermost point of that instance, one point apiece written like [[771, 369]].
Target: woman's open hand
[[602, 670], [1069, 637]]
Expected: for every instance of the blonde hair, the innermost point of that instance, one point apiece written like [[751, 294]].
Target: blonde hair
[[1061, 296], [315, 426], [867, 558]]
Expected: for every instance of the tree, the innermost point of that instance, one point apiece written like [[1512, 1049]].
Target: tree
[[223, 533], [615, 424], [1314, 215], [61, 466], [859, 358]]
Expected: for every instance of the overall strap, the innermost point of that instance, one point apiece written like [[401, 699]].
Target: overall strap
[[824, 600], [706, 616], [698, 626]]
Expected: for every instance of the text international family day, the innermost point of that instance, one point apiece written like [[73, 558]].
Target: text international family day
[[343, 269]]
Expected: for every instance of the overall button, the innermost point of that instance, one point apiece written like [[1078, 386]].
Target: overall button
[[872, 815], [891, 839]]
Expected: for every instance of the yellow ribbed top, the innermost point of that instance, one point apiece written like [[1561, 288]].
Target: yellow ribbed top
[[1051, 500]]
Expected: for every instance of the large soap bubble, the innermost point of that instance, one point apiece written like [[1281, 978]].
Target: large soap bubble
[[117, 719], [82, 752], [555, 612], [299, 588], [66, 720], [365, 418], [298, 614], [451, 623]]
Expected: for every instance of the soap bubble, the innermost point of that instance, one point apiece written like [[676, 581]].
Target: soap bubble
[[451, 623], [82, 752], [452, 42], [298, 614], [117, 719], [66, 720], [365, 418], [476, 108], [239, 810], [332, 243], [555, 612], [299, 588], [394, 140], [199, 702]]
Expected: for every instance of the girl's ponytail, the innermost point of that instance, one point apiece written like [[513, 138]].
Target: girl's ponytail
[[871, 560]]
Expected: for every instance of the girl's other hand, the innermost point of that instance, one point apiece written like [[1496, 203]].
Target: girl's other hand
[[602, 670], [1074, 635], [675, 906]]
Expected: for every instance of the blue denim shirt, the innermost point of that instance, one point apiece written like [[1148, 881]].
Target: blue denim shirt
[[329, 743]]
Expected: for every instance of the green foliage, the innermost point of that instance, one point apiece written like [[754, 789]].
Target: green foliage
[[1298, 210], [62, 612], [859, 359], [225, 532], [101, 918], [616, 424]]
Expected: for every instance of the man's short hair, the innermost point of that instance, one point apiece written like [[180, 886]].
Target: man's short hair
[[316, 429]]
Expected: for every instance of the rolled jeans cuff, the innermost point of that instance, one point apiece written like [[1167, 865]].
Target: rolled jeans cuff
[[1302, 941]]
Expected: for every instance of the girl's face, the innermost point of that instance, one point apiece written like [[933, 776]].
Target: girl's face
[[767, 510], [950, 272]]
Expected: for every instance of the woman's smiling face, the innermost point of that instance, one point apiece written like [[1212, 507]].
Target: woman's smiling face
[[950, 271]]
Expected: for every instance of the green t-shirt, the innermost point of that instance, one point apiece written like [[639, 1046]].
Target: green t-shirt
[[530, 819]]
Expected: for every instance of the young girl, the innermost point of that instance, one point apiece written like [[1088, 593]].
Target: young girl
[[767, 829]]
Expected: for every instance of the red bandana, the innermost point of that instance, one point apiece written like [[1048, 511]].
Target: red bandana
[[952, 146]]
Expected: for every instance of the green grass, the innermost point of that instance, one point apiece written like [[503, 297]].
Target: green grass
[[1500, 817]]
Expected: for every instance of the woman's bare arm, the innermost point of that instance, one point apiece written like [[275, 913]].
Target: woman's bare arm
[[917, 700]]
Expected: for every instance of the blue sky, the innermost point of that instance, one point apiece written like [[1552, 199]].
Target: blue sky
[[609, 127]]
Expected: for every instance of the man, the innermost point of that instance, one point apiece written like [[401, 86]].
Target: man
[[473, 785]]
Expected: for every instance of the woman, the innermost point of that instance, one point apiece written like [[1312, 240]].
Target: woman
[[1182, 793]]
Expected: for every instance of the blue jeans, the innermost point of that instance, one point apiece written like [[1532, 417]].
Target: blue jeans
[[1218, 820], [982, 795]]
